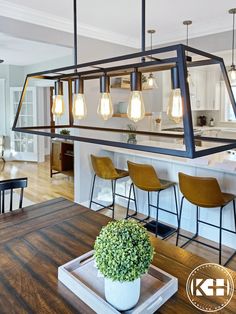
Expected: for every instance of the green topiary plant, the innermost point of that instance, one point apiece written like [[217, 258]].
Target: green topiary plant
[[123, 251], [65, 132]]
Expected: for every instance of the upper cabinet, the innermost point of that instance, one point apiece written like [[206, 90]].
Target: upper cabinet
[[213, 90], [197, 89], [166, 83], [204, 89]]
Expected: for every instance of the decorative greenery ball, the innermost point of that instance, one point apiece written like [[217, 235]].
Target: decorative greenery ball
[[65, 132], [123, 251]]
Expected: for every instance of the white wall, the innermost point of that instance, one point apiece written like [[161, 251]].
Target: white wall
[[13, 76]]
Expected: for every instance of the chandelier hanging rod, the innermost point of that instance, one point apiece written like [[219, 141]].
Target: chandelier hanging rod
[[233, 12], [75, 34]]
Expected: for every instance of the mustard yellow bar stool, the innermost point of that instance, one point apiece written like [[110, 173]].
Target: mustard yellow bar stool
[[204, 192], [144, 177], [103, 168]]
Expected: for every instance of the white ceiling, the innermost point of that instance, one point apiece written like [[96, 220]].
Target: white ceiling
[[23, 52], [119, 21]]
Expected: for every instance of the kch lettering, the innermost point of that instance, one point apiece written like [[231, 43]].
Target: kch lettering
[[209, 287]]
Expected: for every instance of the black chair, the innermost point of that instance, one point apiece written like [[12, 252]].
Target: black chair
[[11, 185]]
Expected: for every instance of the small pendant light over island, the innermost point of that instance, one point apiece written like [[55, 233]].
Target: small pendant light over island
[[232, 71]]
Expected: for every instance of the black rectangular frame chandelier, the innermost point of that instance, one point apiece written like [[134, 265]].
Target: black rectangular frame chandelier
[[144, 62]]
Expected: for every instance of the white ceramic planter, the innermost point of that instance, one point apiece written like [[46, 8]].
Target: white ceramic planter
[[122, 295]]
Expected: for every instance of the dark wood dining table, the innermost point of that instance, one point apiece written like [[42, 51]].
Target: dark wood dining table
[[36, 240]]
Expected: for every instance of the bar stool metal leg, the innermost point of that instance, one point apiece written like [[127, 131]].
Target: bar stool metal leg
[[157, 213], [232, 255], [113, 184], [91, 197], [179, 220], [135, 201], [220, 240], [176, 203], [127, 212], [148, 216], [132, 188], [197, 224], [234, 214]]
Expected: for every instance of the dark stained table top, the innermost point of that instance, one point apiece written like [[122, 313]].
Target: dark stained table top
[[35, 241]]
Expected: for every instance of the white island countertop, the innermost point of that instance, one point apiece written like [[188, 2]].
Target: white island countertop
[[222, 162]]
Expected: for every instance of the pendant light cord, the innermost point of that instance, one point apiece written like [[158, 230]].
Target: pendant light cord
[[187, 36], [143, 28], [233, 41], [143, 24], [151, 43], [187, 23], [75, 35]]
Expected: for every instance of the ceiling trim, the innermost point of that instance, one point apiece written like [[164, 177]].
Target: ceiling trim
[[41, 18], [25, 14]]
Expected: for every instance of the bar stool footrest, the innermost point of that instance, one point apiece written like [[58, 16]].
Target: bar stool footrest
[[230, 258], [164, 231], [190, 239]]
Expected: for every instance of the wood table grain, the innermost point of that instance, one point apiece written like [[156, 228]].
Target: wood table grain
[[35, 241]]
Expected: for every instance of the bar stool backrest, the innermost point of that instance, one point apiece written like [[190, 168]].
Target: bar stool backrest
[[11, 185], [201, 191], [103, 167], [143, 176]]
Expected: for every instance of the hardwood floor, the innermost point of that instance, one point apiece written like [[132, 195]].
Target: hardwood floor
[[41, 188], [196, 248]]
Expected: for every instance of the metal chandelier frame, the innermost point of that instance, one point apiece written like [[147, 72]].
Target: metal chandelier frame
[[144, 61]]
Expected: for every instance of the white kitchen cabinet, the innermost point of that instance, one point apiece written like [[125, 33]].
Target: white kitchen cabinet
[[166, 83], [197, 88], [204, 88], [213, 90]]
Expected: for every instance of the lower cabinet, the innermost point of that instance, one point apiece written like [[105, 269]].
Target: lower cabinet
[[62, 157]]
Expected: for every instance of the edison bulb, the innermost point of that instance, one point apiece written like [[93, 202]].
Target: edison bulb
[[233, 74], [136, 109], [105, 108], [79, 107], [58, 107], [175, 106], [151, 81]]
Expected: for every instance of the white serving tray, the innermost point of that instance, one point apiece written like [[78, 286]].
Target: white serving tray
[[81, 277]]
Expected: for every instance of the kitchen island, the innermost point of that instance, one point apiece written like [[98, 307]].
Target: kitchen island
[[222, 166]]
